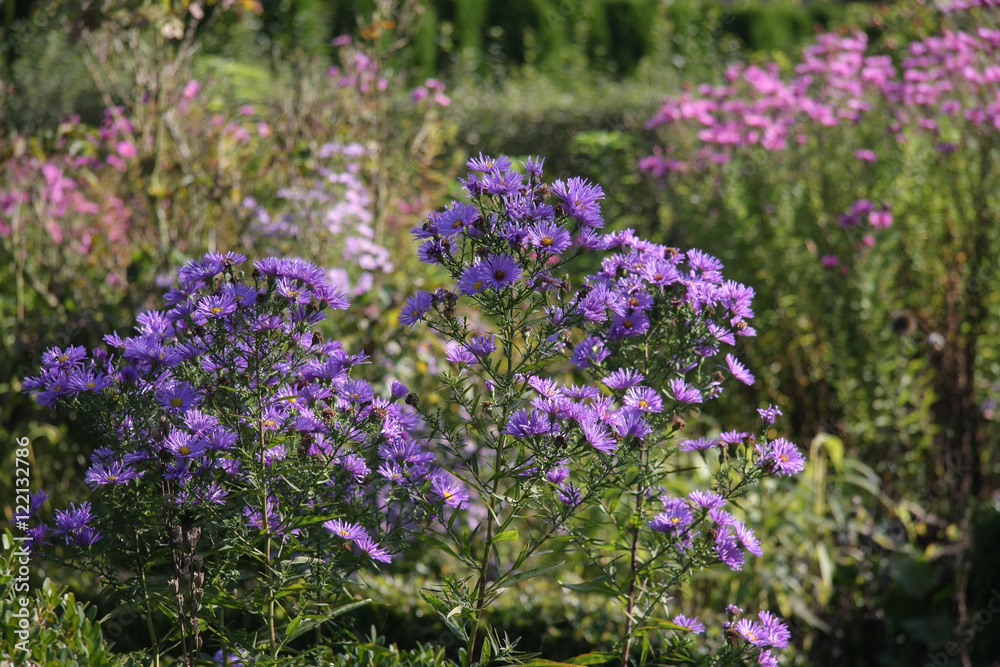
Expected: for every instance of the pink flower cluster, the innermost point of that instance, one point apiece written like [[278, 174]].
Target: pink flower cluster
[[950, 78]]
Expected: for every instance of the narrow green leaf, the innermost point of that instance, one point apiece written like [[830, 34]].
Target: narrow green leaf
[[515, 579], [592, 659], [506, 536], [598, 586]]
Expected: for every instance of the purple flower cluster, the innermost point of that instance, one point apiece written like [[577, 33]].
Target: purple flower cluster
[[229, 389], [768, 634], [731, 536]]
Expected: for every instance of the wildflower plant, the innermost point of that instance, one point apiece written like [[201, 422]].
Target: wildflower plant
[[240, 474], [548, 463]]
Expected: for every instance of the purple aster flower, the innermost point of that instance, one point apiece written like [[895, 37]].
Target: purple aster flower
[[214, 307], [110, 473], [690, 624], [232, 659], [598, 435], [87, 380], [432, 251], [482, 346], [345, 530], [580, 200], [677, 515], [213, 493], [273, 418], [372, 550], [767, 659], [356, 391], [449, 489], [588, 352], [526, 423], [746, 537], [549, 237], [71, 356], [728, 549], [487, 164], [460, 217], [499, 271], [644, 399], [734, 437], [416, 308], [473, 280], [557, 475], [738, 370], [623, 378], [683, 392], [783, 457], [534, 166], [72, 524], [459, 354], [629, 325], [630, 423], [354, 465], [581, 391], [775, 629], [295, 293], [241, 294], [178, 397], [184, 445], [699, 444], [721, 516], [570, 495], [398, 390], [752, 631], [547, 387], [707, 499], [501, 183], [392, 472]]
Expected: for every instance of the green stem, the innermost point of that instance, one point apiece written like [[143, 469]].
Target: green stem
[[149, 617]]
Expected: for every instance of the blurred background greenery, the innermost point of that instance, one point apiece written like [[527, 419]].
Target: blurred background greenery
[[139, 134]]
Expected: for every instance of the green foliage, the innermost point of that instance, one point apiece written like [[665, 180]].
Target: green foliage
[[61, 631]]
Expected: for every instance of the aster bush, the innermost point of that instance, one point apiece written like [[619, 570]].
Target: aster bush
[[239, 474], [566, 409]]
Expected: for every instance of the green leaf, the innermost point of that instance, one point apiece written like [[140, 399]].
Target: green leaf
[[506, 536], [592, 659], [515, 579], [599, 586], [834, 448]]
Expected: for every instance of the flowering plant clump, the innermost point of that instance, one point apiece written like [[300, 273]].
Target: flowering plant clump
[[590, 465], [853, 167], [240, 474]]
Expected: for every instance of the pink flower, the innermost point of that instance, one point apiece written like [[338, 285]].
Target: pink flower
[[830, 261], [191, 90]]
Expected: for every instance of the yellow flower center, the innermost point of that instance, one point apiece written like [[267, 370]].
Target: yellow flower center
[[643, 403], [270, 423], [184, 451], [547, 241], [216, 310], [176, 402], [64, 358], [112, 478], [90, 385], [477, 285]]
